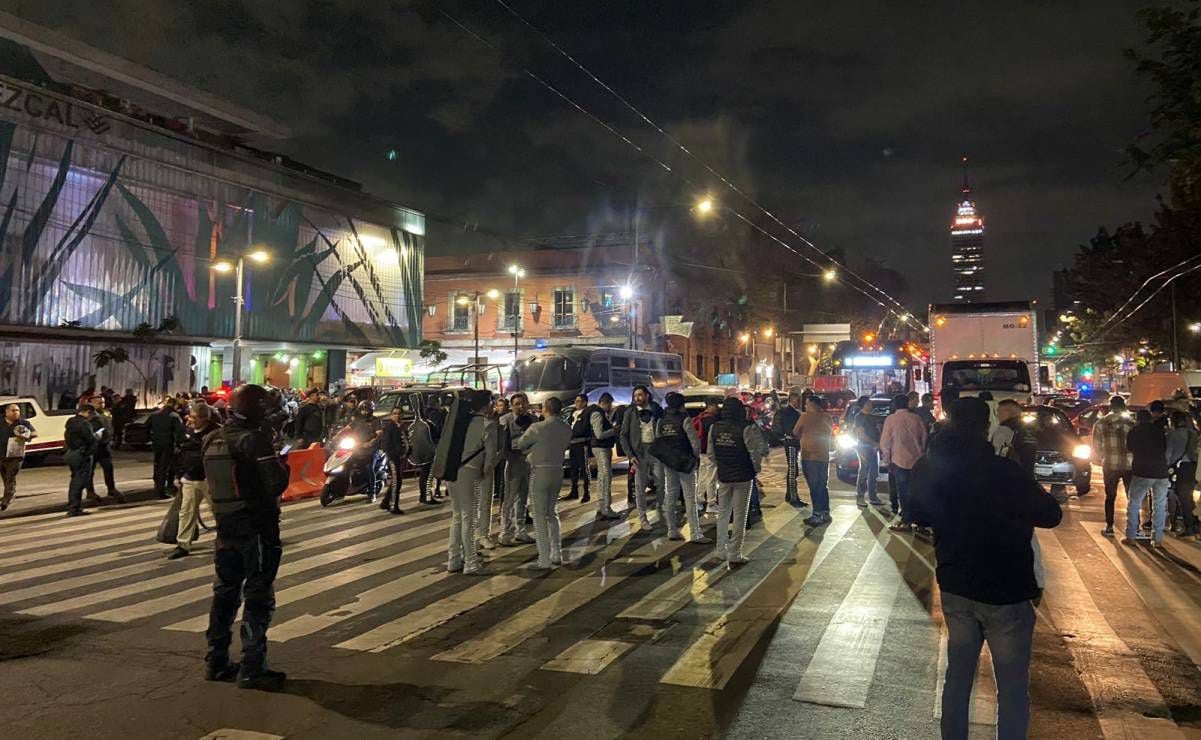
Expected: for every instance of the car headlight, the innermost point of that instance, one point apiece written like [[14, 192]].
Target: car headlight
[[846, 442], [347, 443], [1082, 452]]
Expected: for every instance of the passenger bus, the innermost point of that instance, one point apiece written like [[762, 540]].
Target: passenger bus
[[564, 372]]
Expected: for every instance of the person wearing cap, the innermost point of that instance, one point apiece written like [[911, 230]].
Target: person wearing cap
[[983, 508]]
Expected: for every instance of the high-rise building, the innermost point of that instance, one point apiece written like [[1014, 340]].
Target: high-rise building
[[967, 246]]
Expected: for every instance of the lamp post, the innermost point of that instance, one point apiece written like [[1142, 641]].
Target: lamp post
[[475, 322], [518, 274], [627, 293], [259, 256]]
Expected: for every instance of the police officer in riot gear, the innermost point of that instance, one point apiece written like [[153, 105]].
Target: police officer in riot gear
[[246, 477]]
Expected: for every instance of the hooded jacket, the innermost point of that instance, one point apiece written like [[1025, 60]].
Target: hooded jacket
[[983, 509]]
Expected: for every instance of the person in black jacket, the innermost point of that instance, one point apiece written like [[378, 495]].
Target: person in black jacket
[[577, 453], [310, 420], [782, 424], [166, 433], [392, 443], [983, 509], [79, 439], [102, 425], [1148, 443], [192, 484], [245, 486]]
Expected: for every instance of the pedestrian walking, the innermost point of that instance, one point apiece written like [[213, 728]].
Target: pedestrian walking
[[677, 448], [1109, 444], [783, 423], [1182, 463], [15, 432], [813, 429], [637, 434], [544, 445], [166, 434], [602, 440], [478, 455], [867, 449], [517, 474], [79, 440], [902, 442], [246, 478], [1148, 445], [707, 476], [737, 449], [392, 444], [102, 425], [577, 454], [193, 485], [983, 509]]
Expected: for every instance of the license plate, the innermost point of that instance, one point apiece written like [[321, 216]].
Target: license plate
[[1042, 469]]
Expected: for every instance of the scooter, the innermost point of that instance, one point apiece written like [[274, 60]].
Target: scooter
[[349, 467]]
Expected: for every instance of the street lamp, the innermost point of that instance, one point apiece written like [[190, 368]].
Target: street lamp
[[259, 256], [705, 206], [463, 300], [830, 275], [627, 294], [1194, 328], [518, 273]]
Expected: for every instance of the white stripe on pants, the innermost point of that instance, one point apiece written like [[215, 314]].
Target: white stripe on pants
[[461, 550], [483, 516], [707, 482], [604, 478], [190, 493], [736, 497], [544, 500], [684, 484], [517, 491], [648, 469]]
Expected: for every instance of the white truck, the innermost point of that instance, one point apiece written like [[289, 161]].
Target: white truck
[[977, 347], [50, 425]]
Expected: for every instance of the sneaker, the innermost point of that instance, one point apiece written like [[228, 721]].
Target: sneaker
[[223, 672], [384, 504], [1108, 531], [585, 498], [675, 536], [1129, 542], [700, 539], [397, 511], [473, 570], [506, 540], [431, 502], [488, 542], [861, 503], [263, 680], [524, 538], [116, 497], [738, 560], [92, 496], [177, 553], [1147, 525], [644, 522], [81, 512], [816, 520], [1155, 544], [876, 502], [454, 567], [802, 503], [900, 527], [556, 559], [570, 497]]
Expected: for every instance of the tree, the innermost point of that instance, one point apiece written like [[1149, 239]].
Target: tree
[[431, 351], [145, 334]]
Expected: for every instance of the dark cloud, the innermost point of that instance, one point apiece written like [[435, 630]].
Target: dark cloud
[[846, 119]]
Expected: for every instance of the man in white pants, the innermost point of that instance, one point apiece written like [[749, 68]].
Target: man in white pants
[[737, 448], [192, 485], [604, 439], [677, 448], [517, 472], [707, 476], [479, 454], [637, 434], [544, 444]]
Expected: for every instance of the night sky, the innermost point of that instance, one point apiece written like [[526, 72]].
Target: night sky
[[846, 119]]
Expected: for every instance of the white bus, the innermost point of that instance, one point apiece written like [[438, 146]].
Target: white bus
[[567, 371]]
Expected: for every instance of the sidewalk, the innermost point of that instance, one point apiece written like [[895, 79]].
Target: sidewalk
[[42, 489]]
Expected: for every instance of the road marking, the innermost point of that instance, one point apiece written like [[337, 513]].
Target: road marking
[[1165, 600], [414, 624], [530, 621], [1127, 703], [718, 652], [676, 592], [232, 734], [589, 657], [842, 669], [171, 601], [98, 530]]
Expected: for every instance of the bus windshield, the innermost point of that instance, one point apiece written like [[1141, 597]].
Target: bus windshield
[[550, 373], [986, 376]]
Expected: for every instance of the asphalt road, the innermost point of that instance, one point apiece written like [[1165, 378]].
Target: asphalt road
[[830, 633], [44, 484]]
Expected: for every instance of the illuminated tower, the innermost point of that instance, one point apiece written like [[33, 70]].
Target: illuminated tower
[[967, 246]]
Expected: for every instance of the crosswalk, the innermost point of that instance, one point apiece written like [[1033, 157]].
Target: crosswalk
[[357, 580]]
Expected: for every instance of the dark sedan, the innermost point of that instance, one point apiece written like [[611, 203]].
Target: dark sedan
[[1062, 459], [846, 459]]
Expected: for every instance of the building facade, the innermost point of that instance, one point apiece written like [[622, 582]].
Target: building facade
[[967, 246], [111, 225]]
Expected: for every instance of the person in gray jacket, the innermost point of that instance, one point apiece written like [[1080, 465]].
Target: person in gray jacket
[[479, 454], [517, 472], [545, 443], [637, 433], [737, 448]]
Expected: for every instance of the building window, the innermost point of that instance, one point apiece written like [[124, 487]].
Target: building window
[[716, 365], [511, 321], [733, 367], [700, 366], [564, 308], [460, 312], [610, 298]]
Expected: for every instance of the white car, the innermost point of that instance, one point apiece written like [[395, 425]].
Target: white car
[[50, 426]]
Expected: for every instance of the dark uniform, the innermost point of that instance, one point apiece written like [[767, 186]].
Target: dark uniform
[[310, 423], [80, 441], [577, 453], [103, 456], [247, 550], [166, 434]]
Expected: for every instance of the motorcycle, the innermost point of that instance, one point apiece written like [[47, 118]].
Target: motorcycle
[[353, 467]]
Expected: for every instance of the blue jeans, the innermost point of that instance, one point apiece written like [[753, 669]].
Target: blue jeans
[[1139, 488], [900, 479], [817, 475], [1009, 630], [869, 470]]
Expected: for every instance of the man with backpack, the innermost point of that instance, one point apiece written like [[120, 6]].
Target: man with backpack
[[677, 448], [603, 438], [246, 478], [478, 455]]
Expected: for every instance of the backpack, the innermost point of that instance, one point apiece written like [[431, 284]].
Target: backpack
[[421, 442], [219, 471], [448, 457], [673, 448]]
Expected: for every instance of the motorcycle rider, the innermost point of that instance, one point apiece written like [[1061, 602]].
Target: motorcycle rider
[[245, 486], [545, 443], [604, 439], [517, 474], [478, 456], [366, 430]]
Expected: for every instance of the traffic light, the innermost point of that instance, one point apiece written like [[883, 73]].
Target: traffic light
[[1050, 350]]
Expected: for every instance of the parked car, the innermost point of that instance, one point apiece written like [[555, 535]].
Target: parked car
[[50, 424], [1062, 458], [137, 431]]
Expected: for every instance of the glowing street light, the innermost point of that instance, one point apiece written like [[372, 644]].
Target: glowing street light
[[518, 273], [744, 337], [830, 275], [1195, 327], [259, 256], [767, 333], [705, 206], [626, 292]]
